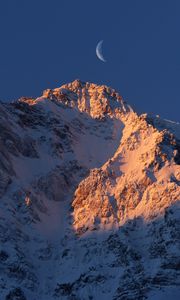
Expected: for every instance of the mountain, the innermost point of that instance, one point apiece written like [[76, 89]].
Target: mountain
[[89, 198]]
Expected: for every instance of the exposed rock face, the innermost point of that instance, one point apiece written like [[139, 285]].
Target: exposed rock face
[[141, 179], [89, 198]]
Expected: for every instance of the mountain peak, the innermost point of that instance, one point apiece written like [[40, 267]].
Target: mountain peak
[[96, 100], [89, 197]]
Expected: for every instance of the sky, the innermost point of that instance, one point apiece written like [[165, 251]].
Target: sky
[[46, 43]]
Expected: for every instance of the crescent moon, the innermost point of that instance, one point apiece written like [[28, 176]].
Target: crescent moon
[[99, 51]]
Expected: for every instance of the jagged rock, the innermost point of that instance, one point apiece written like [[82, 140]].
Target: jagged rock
[[16, 294]]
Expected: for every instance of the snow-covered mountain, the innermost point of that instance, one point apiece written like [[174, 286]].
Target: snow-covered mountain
[[89, 198]]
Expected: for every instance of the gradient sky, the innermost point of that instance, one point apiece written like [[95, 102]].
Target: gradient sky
[[46, 43]]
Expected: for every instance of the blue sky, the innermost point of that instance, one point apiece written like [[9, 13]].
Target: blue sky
[[46, 43]]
